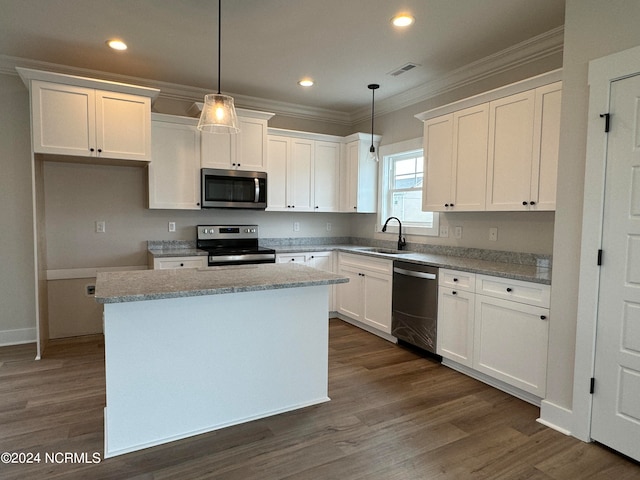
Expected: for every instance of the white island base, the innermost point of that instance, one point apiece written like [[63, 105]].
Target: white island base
[[177, 367]]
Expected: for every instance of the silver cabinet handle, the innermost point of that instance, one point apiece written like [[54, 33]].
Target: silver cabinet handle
[[412, 273]]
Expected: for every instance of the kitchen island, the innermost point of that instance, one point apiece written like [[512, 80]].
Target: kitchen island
[[193, 350]]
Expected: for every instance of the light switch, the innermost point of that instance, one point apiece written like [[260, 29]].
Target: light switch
[[101, 226], [172, 226]]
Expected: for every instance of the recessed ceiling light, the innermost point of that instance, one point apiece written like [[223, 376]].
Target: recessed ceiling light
[[306, 82], [403, 20], [117, 44]]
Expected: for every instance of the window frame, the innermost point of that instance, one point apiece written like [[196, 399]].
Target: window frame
[[387, 151]]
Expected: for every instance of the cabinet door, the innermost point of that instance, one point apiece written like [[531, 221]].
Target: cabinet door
[[359, 180], [174, 173], [123, 126], [469, 168], [455, 325], [251, 144], [350, 295], [326, 184], [278, 157], [510, 343], [377, 300], [546, 141], [217, 150], [300, 175], [321, 261], [510, 152], [63, 119], [438, 154]]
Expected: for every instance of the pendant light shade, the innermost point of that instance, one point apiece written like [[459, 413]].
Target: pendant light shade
[[219, 113], [373, 155]]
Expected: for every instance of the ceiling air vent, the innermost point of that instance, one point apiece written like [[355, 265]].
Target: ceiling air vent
[[403, 69]]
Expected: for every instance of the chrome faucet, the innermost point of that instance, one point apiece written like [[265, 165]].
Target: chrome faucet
[[401, 241]]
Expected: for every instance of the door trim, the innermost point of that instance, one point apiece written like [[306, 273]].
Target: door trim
[[602, 72]]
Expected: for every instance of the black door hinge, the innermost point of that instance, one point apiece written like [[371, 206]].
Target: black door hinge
[[592, 386], [599, 257], [606, 117]]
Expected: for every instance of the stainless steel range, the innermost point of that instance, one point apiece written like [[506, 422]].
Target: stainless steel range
[[233, 245]]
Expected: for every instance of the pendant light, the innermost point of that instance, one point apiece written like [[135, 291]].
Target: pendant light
[[373, 155], [218, 114]]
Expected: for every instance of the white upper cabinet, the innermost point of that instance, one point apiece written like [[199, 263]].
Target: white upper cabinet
[[85, 117], [496, 151], [546, 142], [510, 152], [359, 175], [174, 173], [523, 150], [79, 121], [326, 179], [246, 150], [456, 160], [303, 171]]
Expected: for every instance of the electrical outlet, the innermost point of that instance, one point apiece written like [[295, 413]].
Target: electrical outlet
[[444, 230], [101, 226], [457, 233], [329, 226], [296, 226], [493, 234], [172, 226]]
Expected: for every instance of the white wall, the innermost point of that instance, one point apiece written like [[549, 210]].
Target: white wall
[[593, 28], [17, 291]]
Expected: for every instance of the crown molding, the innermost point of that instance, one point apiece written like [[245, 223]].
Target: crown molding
[[175, 91], [529, 51], [521, 54]]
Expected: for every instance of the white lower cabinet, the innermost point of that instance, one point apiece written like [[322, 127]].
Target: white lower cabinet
[[456, 316], [366, 298], [199, 261], [320, 260], [511, 343], [495, 326]]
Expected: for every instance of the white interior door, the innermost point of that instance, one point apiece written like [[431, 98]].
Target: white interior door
[[616, 401]]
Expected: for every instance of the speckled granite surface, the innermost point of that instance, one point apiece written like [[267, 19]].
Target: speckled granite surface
[[134, 286], [514, 265]]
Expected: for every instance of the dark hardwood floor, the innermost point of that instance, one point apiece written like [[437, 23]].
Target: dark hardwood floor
[[393, 415]]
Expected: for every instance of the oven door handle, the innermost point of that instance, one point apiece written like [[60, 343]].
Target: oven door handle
[[257, 190], [413, 273]]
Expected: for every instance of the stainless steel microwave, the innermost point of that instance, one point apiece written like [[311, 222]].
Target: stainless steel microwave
[[233, 189]]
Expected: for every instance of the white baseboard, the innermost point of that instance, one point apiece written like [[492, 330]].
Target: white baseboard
[[17, 337], [555, 417]]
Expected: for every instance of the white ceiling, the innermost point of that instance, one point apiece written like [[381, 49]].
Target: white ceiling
[[268, 45]]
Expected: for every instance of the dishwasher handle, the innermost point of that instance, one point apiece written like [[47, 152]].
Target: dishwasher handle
[[413, 273]]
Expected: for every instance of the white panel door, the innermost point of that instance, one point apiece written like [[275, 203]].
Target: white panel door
[[63, 119], [438, 154], [326, 178], [278, 152], [300, 175], [455, 325], [123, 126], [469, 174], [616, 401], [510, 152], [251, 144], [377, 300]]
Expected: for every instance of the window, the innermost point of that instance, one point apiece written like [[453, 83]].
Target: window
[[401, 189]]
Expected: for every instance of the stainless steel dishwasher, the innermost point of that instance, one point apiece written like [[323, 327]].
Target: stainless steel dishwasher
[[415, 304]]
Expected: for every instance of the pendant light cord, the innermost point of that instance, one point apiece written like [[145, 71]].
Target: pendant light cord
[[219, 40], [373, 96]]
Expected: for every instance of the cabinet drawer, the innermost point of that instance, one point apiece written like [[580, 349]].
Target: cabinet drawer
[[291, 258], [515, 290], [369, 263], [458, 280], [180, 262]]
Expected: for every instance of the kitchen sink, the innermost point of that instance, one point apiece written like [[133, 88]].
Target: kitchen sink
[[386, 251]]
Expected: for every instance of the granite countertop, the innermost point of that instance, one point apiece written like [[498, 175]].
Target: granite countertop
[[514, 271], [140, 285]]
